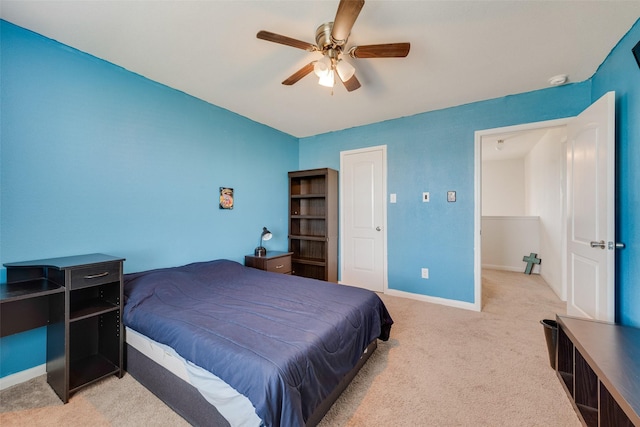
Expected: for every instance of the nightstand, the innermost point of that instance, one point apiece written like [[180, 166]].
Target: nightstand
[[277, 262]]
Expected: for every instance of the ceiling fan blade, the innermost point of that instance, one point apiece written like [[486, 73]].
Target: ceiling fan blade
[[287, 41], [348, 11], [299, 74], [388, 50], [352, 84]]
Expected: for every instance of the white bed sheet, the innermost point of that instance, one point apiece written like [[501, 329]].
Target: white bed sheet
[[233, 406]]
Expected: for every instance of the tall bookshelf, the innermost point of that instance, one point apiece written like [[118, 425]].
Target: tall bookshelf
[[313, 223]]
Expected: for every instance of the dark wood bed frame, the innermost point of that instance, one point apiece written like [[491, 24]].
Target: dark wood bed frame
[[187, 401]]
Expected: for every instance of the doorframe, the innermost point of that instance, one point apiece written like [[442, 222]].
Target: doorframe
[[477, 223], [382, 148]]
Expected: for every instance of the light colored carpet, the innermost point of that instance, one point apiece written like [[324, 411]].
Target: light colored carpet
[[442, 367], [450, 367]]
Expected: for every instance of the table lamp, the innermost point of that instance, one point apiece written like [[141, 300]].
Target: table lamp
[[265, 235]]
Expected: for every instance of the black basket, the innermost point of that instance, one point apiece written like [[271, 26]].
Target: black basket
[[551, 336]]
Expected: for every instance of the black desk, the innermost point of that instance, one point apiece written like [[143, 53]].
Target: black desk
[[79, 299], [25, 305]]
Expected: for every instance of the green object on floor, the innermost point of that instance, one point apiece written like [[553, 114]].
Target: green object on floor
[[531, 260]]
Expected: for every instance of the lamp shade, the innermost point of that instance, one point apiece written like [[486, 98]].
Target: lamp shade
[[345, 70], [322, 67], [328, 80]]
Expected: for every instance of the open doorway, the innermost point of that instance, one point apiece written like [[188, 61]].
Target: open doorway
[[520, 194]]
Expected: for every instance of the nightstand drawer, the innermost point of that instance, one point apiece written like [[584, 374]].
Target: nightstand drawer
[[273, 261], [95, 275], [279, 265]]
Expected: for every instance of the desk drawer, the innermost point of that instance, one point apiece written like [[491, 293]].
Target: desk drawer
[[95, 275], [279, 265]]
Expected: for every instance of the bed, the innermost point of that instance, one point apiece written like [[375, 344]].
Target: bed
[[280, 348]]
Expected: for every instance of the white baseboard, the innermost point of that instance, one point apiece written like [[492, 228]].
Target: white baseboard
[[427, 298], [435, 300], [22, 376], [535, 270]]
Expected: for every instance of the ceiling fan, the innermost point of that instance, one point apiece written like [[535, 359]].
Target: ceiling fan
[[331, 38]]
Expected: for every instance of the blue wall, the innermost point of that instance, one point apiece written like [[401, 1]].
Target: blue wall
[[621, 73], [435, 152], [98, 159]]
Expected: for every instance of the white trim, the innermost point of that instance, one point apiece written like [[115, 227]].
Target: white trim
[[503, 268], [514, 217], [477, 239], [383, 148], [22, 376], [434, 300], [523, 127], [477, 222]]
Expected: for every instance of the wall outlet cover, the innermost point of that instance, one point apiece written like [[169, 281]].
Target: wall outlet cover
[[451, 196]]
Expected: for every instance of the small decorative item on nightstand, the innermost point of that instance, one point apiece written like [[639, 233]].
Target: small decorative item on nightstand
[[277, 262], [261, 250]]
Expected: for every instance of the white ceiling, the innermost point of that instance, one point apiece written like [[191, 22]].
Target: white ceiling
[[461, 51], [515, 145]]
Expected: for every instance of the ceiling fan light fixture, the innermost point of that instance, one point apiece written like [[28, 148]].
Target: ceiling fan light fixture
[[345, 70], [331, 42], [322, 67], [327, 80]]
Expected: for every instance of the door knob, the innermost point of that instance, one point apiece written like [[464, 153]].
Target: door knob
[[378, 228], [599, 244]]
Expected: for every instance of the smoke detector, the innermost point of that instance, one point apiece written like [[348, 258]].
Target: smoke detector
[[558, 80]]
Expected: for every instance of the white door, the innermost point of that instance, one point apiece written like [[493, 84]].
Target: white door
[[363, 218], [591, 211]]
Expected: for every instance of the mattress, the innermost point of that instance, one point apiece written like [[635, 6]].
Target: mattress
[[233, 406]]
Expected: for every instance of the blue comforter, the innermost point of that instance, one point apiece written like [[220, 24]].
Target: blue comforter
[[283, 341]]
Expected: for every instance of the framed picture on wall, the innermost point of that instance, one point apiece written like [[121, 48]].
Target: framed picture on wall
[[226, 198]]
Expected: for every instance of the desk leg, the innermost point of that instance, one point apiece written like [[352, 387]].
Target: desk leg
[[57, 363]]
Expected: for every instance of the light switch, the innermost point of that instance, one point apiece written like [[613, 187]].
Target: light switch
[[392, 198], [451, 196], [425, 197]]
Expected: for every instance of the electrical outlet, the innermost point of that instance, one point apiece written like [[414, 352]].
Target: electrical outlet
[[425, 197], [451, 196], [425, 273]]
